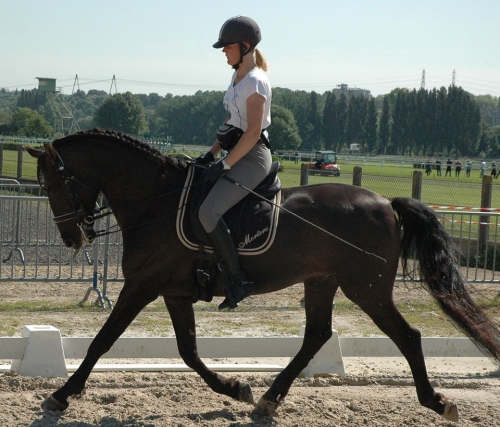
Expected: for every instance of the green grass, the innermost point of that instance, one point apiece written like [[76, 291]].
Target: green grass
[[277, 317], [443, 191], [9, 165]]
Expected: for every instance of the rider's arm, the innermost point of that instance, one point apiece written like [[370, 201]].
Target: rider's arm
[[215, 149]]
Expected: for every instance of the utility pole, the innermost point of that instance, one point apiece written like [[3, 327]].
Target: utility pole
[[453, 78], [77, 83], [113, 82], [422, 85]]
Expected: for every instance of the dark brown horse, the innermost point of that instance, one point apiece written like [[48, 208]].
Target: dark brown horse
[[143, 188]]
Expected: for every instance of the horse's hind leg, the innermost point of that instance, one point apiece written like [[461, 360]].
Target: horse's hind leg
[[129, 304], [319, 293], [182, 315], [408, 340]]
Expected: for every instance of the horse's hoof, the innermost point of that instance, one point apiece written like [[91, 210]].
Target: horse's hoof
[[266, 407], [246, 394], [51, 404], [450, 411]]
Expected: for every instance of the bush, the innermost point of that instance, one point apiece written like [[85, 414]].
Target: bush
[[486, 260]]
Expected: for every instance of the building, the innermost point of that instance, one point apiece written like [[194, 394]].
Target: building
[[348, 92]]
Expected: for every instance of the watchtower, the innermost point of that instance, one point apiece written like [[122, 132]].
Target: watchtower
[[64, 121]]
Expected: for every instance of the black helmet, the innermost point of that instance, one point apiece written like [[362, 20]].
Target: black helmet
[[239, 29]]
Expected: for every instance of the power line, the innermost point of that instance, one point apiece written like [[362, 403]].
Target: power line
[[377, 83]]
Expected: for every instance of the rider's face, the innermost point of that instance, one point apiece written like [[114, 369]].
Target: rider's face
[[232, 52]]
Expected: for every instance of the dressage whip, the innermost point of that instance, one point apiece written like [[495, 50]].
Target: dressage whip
[[305, 220]]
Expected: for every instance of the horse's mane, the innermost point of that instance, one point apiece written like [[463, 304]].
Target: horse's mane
[[122, 138]]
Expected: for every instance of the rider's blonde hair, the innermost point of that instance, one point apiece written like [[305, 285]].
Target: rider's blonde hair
[[260, 60]]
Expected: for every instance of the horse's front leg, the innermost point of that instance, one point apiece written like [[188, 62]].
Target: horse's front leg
[[319, 295], [129, 304], [182, 314]]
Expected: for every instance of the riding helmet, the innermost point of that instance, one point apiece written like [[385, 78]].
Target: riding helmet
[[239, 29]]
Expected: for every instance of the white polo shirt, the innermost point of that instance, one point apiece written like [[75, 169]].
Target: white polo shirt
[[255, 81]]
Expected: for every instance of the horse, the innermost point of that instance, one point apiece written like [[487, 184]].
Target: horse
[[357, 241]]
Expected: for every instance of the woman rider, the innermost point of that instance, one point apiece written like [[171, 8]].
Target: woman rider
[[248, 105]]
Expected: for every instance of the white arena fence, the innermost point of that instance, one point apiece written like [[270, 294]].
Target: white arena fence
[[41, 351]]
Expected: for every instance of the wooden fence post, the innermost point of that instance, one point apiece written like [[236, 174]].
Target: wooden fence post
[[304, 173], [486, 195], [357, 174], [19, 162], [416, 189]]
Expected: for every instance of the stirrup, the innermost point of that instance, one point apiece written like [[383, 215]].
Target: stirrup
[[235, 293]]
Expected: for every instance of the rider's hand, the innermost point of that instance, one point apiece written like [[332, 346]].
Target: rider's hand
[[215, 171], [205, 159]]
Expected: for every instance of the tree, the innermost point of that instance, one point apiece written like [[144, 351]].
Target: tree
[[400, 123], [4, 117], [441, 134], [384, 129], [283, 132], [31, 99], [299, 103], [431, 126], [27, 122], [122, 112], [464, 121], [314, 119], [329, 118], [356, 120], [340, 124], [370, 134], [190, 119]]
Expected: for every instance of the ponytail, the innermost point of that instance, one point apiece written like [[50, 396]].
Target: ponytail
[[260, 60]]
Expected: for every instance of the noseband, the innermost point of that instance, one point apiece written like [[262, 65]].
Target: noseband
[[84, 219]]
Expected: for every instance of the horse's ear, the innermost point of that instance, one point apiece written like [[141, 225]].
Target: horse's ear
[[51, 155], [33, 152]]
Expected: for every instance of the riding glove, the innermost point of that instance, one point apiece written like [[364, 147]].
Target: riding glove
[[205, 159], [215, 171]]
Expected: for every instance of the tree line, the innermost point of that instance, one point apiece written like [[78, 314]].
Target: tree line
[[445, 121]]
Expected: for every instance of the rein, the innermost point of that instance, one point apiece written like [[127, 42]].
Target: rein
[[107, 232], [85, 220]]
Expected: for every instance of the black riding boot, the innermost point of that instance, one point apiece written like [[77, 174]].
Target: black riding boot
[[236, 289]]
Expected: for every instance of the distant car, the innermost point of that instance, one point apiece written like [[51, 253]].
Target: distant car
[[325, 164]]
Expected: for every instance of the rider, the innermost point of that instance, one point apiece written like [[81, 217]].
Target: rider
[[248, 105]]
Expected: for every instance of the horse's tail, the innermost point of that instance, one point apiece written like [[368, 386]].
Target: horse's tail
[[433, 247]]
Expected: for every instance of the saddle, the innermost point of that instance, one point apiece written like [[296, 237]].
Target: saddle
[[252, 222]]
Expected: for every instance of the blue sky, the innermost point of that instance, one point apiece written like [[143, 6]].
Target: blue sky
[[166, 46]]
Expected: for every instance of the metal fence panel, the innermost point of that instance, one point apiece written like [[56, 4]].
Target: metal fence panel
[[31, 249]]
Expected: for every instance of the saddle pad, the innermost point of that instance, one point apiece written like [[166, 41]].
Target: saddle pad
[[253, 226]]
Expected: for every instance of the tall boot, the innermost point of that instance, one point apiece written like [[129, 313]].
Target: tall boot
[[236, 289]]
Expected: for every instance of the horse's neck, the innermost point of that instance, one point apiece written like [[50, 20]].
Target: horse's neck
[[131, 184], [135, 195]]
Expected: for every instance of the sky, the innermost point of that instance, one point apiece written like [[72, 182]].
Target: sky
[[153, 46]]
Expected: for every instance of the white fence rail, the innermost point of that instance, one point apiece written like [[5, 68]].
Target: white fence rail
[[41, 351]]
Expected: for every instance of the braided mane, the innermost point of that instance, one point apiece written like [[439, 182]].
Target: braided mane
[[142, 147]]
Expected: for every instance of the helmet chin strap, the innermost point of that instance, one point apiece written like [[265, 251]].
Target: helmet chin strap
[[243, 52]]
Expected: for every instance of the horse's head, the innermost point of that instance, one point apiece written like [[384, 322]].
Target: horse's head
[[71, 200]]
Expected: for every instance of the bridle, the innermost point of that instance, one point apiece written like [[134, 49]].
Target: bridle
[[84, 219]]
